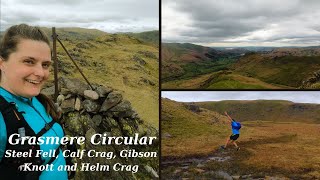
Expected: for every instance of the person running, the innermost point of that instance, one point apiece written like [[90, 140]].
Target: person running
[[235, 132]]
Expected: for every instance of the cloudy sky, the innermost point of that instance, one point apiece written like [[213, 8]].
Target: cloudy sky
[[242, 22], [107, 15], [196, 96]]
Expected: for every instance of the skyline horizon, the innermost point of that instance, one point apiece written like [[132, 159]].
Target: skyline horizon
[[2, 31], [201, 96], [200, 44]]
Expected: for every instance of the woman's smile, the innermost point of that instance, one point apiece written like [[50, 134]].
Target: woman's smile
[[26, 69]]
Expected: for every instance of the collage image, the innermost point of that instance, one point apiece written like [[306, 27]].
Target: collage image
[[240, 90], [160, 89]]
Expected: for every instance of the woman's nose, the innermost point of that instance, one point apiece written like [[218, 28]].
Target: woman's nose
[[39, 71]]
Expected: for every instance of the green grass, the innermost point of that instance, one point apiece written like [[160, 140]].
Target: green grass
[[267, 145], [287, 70], [195, 69], [232, 84], [108, 60]]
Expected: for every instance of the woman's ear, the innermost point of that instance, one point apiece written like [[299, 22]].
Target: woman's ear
[[1, 62]]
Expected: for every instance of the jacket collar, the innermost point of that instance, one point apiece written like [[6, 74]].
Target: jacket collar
[[11, 97]]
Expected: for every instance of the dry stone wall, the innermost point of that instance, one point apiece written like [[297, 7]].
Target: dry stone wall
[[103, 110]]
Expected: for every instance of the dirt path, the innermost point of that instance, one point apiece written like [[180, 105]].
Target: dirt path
[[207, 167]]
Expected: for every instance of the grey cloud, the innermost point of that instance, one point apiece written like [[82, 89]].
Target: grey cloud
[[216, 20], [129, 15]]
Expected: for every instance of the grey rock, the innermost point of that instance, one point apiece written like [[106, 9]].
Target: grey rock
[[139, 60], [91, 94], [236, 177], [150, 170], [91, 106], [87, 121], [148, 54], [109, 123], [193, 107], [146, 81], [48, 91], [112, 99], [68, 96], [74, 85], [77, 105], [73, 123], [166, 135], [122, 106], [102, 91], [88, 136], [68, 105], [65, 91], [97, 119], [60, 99]]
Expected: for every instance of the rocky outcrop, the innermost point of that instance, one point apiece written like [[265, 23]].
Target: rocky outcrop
[[104, 110], [193, 107], [312, 82]]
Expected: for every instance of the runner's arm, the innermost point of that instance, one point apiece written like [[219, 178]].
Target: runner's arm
[[230, 119]]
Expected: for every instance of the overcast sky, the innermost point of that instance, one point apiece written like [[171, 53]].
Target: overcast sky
[[198, 96], [242, 22], [107, 15]]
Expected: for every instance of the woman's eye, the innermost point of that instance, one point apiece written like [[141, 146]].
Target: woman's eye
[[28, 62], [46, 66]]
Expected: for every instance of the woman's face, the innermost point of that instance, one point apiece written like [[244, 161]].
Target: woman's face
[[26, 69]]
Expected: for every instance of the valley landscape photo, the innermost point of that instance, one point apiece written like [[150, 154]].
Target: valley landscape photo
[[240, 45], [278, 138]]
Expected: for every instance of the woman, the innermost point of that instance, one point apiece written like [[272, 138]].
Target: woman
[[235, 132], [25, 59]]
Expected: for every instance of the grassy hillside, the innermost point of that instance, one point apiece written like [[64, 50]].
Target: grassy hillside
[[75, 33], [278, 68], [186, 61], [120, 61], [262, 110], [272, 145], [285, 70], [221, 80], [183, 126], [148, 36]]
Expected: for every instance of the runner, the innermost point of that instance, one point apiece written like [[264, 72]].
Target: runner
[[235, 132]]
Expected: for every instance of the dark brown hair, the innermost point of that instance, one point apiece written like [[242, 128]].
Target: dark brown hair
[[8, 45], [15, 34]]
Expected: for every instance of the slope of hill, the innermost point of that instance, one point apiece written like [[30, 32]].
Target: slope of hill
[[272, 133], [185, 61], [148, 36], [261, 110], [120, 61], [188, 115], [278, 67], [181, 121], [221, 80], [75, 33]]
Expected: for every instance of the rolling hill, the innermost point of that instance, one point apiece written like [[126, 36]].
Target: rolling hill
[[121, 61], [185, 61], [273, 131], [188, 66], [261, 110]]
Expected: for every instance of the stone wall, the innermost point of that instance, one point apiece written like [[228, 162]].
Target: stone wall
[[104, 111]]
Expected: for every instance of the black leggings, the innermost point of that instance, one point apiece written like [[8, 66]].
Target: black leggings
[[234, 137]]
